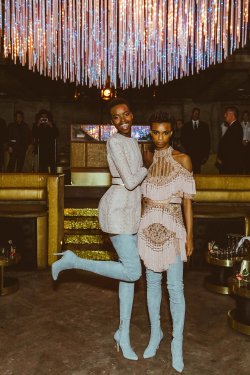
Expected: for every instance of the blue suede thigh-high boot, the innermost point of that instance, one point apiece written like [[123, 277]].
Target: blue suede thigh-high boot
[[177, 309], [122, 335], [127, 269], [154, 294]]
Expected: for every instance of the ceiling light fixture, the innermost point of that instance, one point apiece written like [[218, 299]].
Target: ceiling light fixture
[[137, 43]]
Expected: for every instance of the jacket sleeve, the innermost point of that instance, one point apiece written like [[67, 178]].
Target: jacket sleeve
[[11, 135], [131, 181], [237, 148], [207, 141], [184, 135]]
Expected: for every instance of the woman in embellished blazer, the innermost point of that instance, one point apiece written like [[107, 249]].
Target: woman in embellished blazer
[[119, 215]]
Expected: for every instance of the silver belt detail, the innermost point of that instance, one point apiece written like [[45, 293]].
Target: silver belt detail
[[117, 181]]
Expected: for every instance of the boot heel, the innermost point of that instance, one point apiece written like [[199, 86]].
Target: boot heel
[[62, 253], [126, 349], [66, 262], [117, 346], [116, 338]]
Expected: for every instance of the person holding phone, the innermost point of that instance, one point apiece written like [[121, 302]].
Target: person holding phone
[[44, 133]]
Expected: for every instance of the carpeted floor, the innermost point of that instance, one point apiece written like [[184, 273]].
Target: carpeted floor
[[69, 330]]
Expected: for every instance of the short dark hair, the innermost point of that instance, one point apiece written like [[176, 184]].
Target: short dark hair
[[117, 101], [233, 109], [196, 109], [162, 117], [19, 113], [245, 112]]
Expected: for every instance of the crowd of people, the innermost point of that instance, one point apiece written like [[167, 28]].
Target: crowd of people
[[23, 149], [194, 139], [35, 149]]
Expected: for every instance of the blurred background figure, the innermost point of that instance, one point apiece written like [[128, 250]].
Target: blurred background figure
[[245, 123], [3, 140], [230, 150], [195, 138], [222, 131], [19, 138], [44, 133], [177, 145]]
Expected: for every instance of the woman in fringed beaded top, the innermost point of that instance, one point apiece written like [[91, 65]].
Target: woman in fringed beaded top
[[163, 240]]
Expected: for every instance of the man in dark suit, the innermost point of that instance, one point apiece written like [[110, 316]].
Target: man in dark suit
[[230, 150], [3, 139], [195, 138], [19, 137]]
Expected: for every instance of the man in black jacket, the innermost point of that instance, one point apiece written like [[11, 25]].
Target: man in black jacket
[[3, 140], [230, 150], [19, 137], [195, 138]]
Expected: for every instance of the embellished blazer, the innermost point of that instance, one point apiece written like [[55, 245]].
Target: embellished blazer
[[120, 206]]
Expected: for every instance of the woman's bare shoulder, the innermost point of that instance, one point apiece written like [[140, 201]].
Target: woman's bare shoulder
[[183, 159]]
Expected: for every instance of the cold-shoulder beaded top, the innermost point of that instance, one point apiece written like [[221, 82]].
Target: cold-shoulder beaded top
[[162, 234]]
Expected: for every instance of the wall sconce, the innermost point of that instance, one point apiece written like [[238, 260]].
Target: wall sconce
[[77, 94], [107, 93]]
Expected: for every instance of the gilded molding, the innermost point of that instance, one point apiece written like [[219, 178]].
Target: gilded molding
[[236, 325]]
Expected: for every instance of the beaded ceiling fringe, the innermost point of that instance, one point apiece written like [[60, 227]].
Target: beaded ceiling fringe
[[132, 43]]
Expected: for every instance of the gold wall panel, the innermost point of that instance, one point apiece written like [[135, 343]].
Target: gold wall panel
[[93, 154], [222, 182], [77, 223], [90, 178], [97, 254], [78, 155], [96, 155], [29, 187], [79, 212], [84, 239]]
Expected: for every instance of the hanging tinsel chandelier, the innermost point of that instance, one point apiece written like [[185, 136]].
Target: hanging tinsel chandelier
[[131, 43]]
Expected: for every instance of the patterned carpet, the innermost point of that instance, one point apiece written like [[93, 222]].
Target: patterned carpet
[[68, 330]]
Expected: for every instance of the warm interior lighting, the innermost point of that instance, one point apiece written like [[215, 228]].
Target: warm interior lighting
[[106, 93], [77, 94], [148, 42]]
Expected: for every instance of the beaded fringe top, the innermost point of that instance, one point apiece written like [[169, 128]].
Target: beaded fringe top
[[167, 178]]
